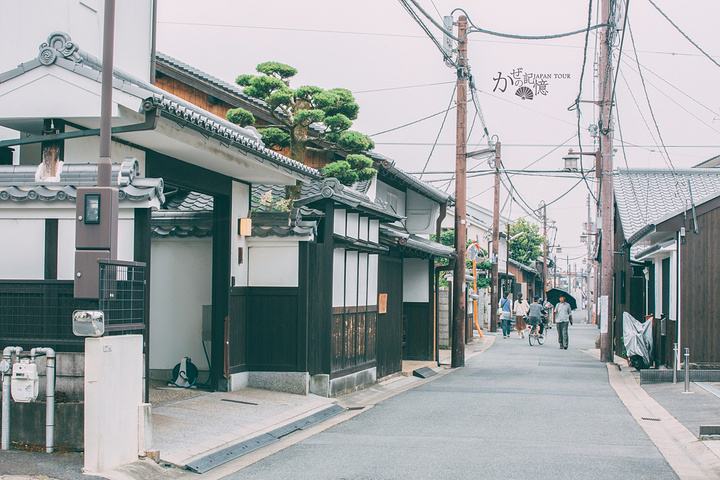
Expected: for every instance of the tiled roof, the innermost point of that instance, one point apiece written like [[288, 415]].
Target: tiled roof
[[61, 51], [390, 235], [332, 188], [387, 167], [645, 196], [184, 214], [17, 183]]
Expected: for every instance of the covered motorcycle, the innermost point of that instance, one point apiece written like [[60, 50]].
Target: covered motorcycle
[[638, 340]]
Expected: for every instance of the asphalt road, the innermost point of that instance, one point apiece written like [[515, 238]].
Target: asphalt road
[[515, 412]]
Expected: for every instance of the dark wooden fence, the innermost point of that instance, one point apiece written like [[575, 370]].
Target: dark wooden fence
[[353, 339], [38, 313], [267, 330]]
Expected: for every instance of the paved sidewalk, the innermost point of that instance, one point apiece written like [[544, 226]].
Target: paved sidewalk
[[18, 465], [190, 428], [692, 410]]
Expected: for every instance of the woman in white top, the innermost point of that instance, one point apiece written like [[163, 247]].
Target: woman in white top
[[521, 309]]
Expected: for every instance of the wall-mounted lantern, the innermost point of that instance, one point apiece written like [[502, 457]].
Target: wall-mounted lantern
[[245, 227]]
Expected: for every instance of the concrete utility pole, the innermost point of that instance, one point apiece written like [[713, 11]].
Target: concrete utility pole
[[495, 280], [459, 307], [606, 183], [105, 163], [589, 285]]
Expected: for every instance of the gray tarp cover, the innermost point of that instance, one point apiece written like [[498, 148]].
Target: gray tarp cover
[[637, 337]]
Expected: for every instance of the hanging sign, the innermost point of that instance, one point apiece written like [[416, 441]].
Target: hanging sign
[[603, 304]]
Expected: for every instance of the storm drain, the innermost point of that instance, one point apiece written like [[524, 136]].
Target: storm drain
[[228, 454]]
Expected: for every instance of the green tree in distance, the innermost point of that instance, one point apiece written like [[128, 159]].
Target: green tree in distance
[[447, 237], [525, 242], [297, 109]]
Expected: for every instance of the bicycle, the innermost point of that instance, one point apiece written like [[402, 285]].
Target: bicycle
[[534, 336]]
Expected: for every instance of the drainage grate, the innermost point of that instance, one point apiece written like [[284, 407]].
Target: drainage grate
[[233, 452], [651, 419], [207, 463], [652, 375]]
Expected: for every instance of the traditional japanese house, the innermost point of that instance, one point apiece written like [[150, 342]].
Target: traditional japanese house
[[666, 225], [185, 160], [406, 326]]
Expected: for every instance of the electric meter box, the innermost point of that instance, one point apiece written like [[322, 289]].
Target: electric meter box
[[24, 383]]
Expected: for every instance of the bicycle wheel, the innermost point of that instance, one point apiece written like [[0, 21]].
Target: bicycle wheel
[[530, 337], [540, 339]]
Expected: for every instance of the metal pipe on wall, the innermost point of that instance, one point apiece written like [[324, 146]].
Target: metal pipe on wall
[[6, 370], [49, 395]]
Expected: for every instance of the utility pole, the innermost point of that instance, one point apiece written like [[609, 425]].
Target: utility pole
[[459, 307], [606, 184], [569, 273], [545, 253], [495, 280]]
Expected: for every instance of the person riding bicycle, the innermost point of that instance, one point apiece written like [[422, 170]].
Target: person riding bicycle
[[535, 315]]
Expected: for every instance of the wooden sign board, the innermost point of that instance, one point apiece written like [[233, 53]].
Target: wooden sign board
[[382, 302]]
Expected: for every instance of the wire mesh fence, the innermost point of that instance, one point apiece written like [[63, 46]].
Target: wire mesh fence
[[122, 296], [38, 312]]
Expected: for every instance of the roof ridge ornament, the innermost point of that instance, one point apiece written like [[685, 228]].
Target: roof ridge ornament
[[58, 43]]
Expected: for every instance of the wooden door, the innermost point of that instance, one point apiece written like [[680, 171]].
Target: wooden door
[[389, 322]]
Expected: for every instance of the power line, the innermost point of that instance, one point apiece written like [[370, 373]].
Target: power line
[[414, 16], [394, 35], [648, 147], [442, 125], [627, 165], [579, 95], [536, 37], [403, 87], [687, 37], [432, 115], [620, 51]]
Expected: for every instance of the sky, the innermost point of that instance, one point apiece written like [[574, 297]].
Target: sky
[[372, 47]]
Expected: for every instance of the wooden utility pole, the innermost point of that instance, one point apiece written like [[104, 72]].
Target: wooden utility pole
[[459, 307], [545, 254], [606, 184], [589, 285], [495, 280]]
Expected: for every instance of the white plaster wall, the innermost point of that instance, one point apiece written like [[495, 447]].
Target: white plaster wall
[[180, 284], [22, 249], [351, 279], [374, 231], [364, 228], [353, 225], [86, 150], [24, 25], [240, 208], [273, 263], [394, 197], [658, 287], [363, 279], [339, 221], [422, 213], [338, 293], [416, 280], [672, 314], [372, 279]]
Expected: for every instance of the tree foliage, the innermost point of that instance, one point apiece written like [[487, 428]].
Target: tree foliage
[[240, 116], [333, 110], [447, 238], [525, 242]]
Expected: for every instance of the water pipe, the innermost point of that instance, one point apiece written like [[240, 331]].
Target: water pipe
[[49, 394], [6, 370]]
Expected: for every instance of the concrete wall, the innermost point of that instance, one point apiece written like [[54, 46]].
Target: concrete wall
[[180, 284], [24, 25], [113, 394]]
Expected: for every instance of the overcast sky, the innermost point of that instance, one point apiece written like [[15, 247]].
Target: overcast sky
[[374, 44]]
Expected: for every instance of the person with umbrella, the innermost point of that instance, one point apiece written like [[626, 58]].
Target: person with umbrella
[[563, 316]]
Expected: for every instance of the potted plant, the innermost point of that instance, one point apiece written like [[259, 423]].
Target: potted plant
[[272, 211]]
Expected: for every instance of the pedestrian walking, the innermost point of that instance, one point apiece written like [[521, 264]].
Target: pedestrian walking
[[504, 310], [521, 309], [563, 317]]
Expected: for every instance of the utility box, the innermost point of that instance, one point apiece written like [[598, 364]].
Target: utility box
[[24, 383], [96, 236]]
